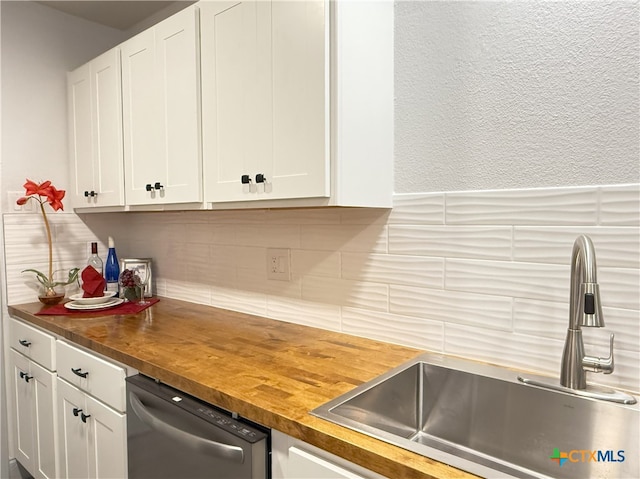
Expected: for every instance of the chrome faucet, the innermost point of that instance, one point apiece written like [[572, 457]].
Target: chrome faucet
[[584, 310]]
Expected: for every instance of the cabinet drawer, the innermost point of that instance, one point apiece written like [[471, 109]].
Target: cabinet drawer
[[33, 343], [102, 379]]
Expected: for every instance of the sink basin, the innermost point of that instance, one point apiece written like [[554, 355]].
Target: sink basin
[[481, 419]]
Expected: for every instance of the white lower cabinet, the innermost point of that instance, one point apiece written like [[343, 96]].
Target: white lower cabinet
[[92, 433], [295, 459], [92, 436], [33, 395]]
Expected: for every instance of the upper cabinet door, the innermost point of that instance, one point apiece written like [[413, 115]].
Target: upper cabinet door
[[236, 96], [141, 117], [95, 132], [106, 119], [80, 135], [160, 81], [265, 100], [178, 57], [300, 117]]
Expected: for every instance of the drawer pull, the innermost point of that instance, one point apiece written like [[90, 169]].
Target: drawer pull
[[25, 376], [84, 417], [24, 342], [76, 411], [78, 372]]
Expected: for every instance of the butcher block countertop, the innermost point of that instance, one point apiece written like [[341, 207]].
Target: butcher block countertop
[[269, 371]]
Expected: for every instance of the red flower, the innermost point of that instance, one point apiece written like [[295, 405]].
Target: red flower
[[55, 198], [37, 189], [44, 189]]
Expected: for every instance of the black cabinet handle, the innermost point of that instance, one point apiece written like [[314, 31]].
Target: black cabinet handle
[[90, 193], [25, 376], [158, 186], [24, 342], [84, 417], [148, 187], [86, 194], [260, 178], [76, 411], [78, 372], [245, 179]]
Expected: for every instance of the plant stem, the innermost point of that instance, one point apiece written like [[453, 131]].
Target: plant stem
[[46, 224]]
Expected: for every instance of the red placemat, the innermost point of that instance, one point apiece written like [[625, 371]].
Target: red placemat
[[127, 307]]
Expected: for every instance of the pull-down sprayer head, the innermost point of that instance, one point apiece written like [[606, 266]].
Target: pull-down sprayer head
[[584, 300]]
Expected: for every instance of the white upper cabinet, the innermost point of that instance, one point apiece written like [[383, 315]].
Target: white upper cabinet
[[288, 103], [265, 130], [161, 112], [95, 133], [297, 103]]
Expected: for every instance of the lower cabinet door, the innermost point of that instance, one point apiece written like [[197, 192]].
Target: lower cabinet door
[[72, 432], [45, 422], [35, 420], [107, 440], [92, 436], [23, 418]]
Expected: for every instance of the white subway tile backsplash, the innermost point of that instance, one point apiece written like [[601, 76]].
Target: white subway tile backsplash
[[276, 236], [195, 292], [343, 292], [239, 300], [245, 256], [355, 238], [620, 288], [196, 263], [317, 216], [620, 205], [480, 274], [545, 282], [451, 241], [411, 331], [315, 263], [393, 269], [528, 353], [417, 209], [545, 206], [318, 315], [491, 312], [364, 216], [614, 246], [541, 318]]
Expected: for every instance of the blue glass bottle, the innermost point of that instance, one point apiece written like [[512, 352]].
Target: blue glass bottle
[[112, 268]]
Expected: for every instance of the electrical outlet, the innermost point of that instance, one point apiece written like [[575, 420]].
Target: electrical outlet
[[12, 200], [279, 264]]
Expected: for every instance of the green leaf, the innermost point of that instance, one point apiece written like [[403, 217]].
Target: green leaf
[[73, 276], [39, 276]]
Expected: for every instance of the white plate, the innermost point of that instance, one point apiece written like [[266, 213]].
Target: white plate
[[78, 299], [88, 307]]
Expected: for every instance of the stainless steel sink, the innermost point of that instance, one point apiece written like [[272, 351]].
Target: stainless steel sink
[[480, 418]]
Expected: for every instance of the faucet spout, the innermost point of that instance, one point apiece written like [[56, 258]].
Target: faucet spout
[[584, 310]]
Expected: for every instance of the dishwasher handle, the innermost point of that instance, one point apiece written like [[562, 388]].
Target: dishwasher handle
[[201, 444]]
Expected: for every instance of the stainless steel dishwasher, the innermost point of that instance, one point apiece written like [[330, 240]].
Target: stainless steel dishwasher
[[173, 435]]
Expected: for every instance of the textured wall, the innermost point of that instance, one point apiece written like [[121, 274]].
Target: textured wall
[[39, 45], [493, 95]]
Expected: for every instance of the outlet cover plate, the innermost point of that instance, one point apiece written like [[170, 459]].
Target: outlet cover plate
[[279, 264]]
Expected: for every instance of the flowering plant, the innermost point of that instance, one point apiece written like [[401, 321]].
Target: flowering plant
[[47, 193]]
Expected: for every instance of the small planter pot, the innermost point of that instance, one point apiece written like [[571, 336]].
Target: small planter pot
[[50, 295]]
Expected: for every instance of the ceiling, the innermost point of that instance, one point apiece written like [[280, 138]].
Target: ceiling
[[120, 14]]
